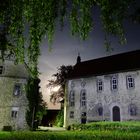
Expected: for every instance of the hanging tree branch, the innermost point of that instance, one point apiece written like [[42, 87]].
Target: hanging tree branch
[[28, 21]]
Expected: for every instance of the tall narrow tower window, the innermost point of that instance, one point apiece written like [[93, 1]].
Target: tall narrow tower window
[[114, 83], [72, 98], [99, 85], [83, 98]]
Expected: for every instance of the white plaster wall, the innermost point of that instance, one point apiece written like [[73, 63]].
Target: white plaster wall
[[108, 98]]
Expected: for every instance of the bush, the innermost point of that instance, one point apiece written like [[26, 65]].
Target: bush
[[71, 135], [7, 128], [119, 126], [60, 118]]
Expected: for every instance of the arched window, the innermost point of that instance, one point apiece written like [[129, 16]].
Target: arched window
[[132, 110], [83, 98], [72, 98]]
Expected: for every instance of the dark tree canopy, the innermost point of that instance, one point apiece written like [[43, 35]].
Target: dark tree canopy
[[59, 80], [23, 23], [36, 106]]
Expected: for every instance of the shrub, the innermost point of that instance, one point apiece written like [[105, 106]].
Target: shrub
[[60, 118], [119, 126]]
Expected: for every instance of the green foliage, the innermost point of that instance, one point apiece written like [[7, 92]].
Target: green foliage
[[60, 119], [26, 22], [60, 80], [71, 135], [107, 126], [37, 107]]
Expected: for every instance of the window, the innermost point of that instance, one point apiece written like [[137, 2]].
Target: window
[[72, 84], [83, 98], [1, 69], [17, 89], [114, 83], [100, 111], [130, 82], [14, 112], [71, 114], [72, 98], [83, 117], [99, 85], [132, 110]]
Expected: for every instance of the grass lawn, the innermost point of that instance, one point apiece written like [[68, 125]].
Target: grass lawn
[[78, 134]]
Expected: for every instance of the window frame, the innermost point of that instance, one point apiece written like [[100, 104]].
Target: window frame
[[114, 83], [100, 111], [130, 84], [99, 85], [83, 98], [14, 112], [1, 69], [72, 98], [17, 86], [71, 115], [132, 110]]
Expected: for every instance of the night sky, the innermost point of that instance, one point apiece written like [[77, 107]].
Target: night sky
[[65, 48]]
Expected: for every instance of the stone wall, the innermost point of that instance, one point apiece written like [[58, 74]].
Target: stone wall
[[12, 75], [121, 98]]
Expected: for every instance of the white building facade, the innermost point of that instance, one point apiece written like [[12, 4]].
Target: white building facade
[[104, 90]]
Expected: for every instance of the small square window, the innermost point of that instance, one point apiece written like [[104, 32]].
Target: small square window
[[17, 90], [14, 112], [72, 114]]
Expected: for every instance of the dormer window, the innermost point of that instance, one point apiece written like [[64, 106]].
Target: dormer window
[[17, 89]]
